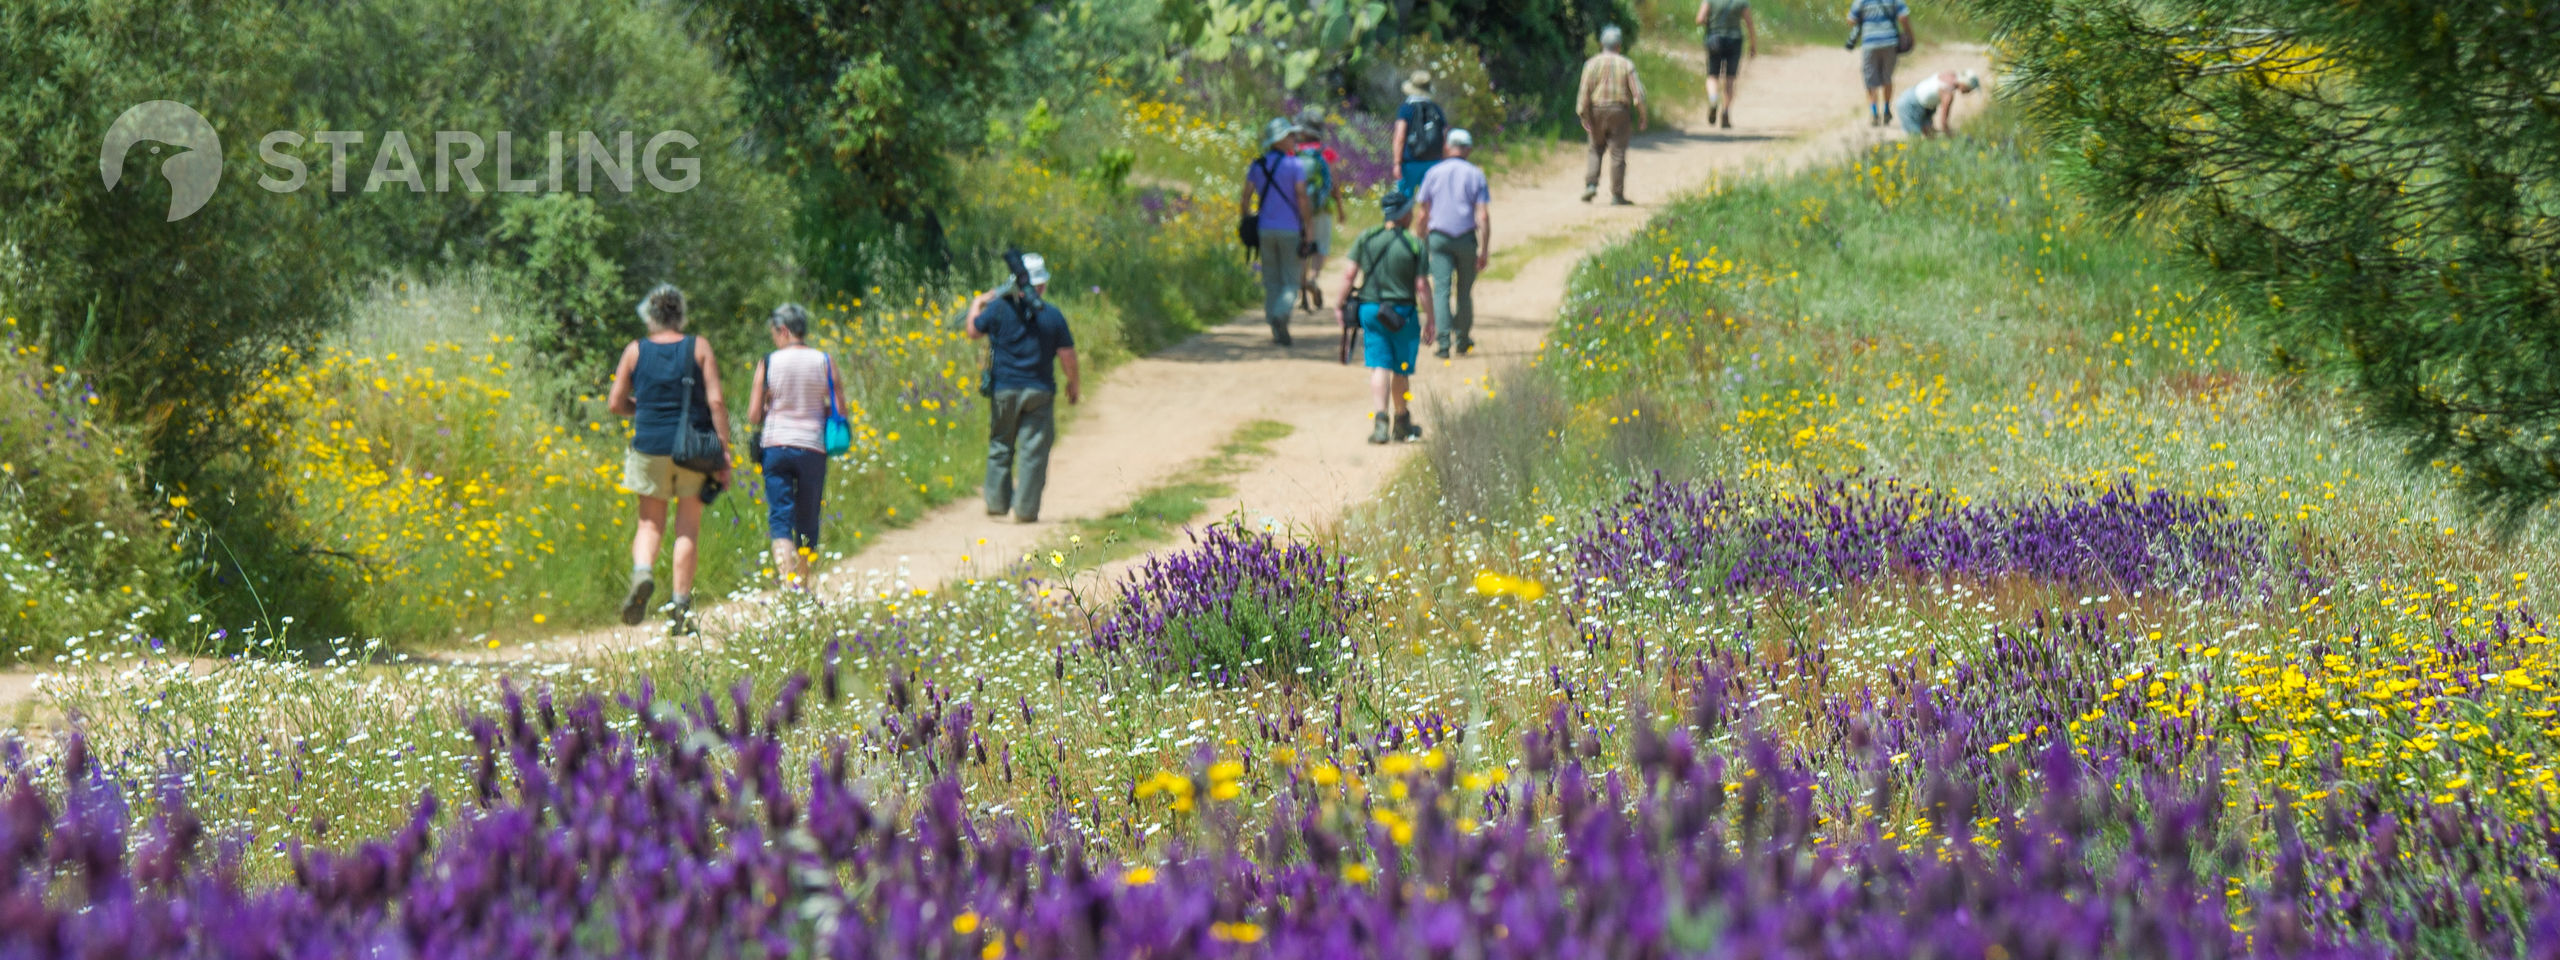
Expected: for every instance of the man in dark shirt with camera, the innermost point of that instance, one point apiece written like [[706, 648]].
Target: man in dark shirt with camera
[[1024, 334]]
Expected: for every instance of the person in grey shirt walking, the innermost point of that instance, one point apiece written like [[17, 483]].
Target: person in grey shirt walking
[[1455, 211], [1025, 334]]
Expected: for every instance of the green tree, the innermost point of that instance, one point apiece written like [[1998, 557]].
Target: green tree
[[861, 104], [2379, 181], [578, 259], [170, 318], [1533, 48]]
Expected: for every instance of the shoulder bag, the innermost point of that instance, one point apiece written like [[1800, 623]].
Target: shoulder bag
[[839, 428], [1249, 225], [696, 448]]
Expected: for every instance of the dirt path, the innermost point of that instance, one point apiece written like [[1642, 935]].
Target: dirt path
[[1152, 417], [1156, 414]]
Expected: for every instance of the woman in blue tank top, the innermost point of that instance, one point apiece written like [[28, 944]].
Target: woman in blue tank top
[[654, 384]]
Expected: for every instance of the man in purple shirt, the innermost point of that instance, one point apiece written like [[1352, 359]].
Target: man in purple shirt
[[1455, 207], [1275, 191]]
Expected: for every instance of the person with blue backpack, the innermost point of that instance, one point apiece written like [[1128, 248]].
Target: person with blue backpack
[[1324, 203], [1420, 135], [1026, 335], [798, 411]]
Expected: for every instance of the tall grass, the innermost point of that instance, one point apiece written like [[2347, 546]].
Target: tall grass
[[418, 455], [84, 541]]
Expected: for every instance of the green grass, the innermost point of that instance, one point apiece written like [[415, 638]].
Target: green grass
[[1507, 267]]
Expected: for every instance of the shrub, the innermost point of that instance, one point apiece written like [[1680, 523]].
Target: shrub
[[1460, 82], [1239, 603], [84, 541]]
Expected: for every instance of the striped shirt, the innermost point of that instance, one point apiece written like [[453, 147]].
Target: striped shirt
[[1878, 21], [795, 399], [1608, 80]]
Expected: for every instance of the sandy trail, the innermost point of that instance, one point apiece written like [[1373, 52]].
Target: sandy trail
[[1150, 418], [1155, 415]]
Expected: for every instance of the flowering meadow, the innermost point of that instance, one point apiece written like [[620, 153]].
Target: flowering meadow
[[1885, 561], [419, 454]]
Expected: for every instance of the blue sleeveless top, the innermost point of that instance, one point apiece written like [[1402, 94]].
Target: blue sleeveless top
[[658, 389]]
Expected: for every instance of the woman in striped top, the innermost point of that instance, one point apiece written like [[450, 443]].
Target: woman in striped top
[[795, 387]]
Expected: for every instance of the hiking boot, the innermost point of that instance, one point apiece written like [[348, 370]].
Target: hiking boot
[[1711, 114], [1728, 119], [1441, 352], [635, 604], [1405, 430], [1621, 202], [1319, 294], [1590, 190], [1466, 348], [1379, 432], [1279, 333], [680, 619]]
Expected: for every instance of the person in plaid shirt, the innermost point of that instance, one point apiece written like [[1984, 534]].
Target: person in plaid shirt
[[1611, 105]]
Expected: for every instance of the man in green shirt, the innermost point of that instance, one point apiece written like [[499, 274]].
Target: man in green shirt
[[1394, 293]]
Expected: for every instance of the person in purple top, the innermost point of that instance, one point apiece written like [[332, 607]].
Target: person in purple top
[[1275, 193], [1455, 209]]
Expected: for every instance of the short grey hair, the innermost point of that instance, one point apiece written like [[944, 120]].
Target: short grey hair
[[663, 308], [1612, 38], [792, 317]]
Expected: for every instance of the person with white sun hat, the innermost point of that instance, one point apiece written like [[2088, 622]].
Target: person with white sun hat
[[1929, 107]]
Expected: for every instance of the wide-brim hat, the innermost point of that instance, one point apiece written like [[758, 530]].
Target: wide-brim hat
[[1280, 128], [1418, 85], [1395, 204], [1311, 120]]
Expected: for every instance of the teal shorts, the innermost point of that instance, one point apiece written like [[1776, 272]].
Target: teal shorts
[[1390, 351]]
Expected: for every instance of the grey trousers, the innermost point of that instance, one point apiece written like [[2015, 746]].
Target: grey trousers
[[1279, 275], [1021, 425], [1453, 287]]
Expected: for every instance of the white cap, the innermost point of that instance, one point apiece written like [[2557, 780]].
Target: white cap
[[1969, 79], [1459, 136], [1036, 267]]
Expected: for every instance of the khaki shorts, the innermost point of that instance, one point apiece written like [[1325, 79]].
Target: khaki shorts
[[1875, 64], [1322, 230], [658, 477]]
